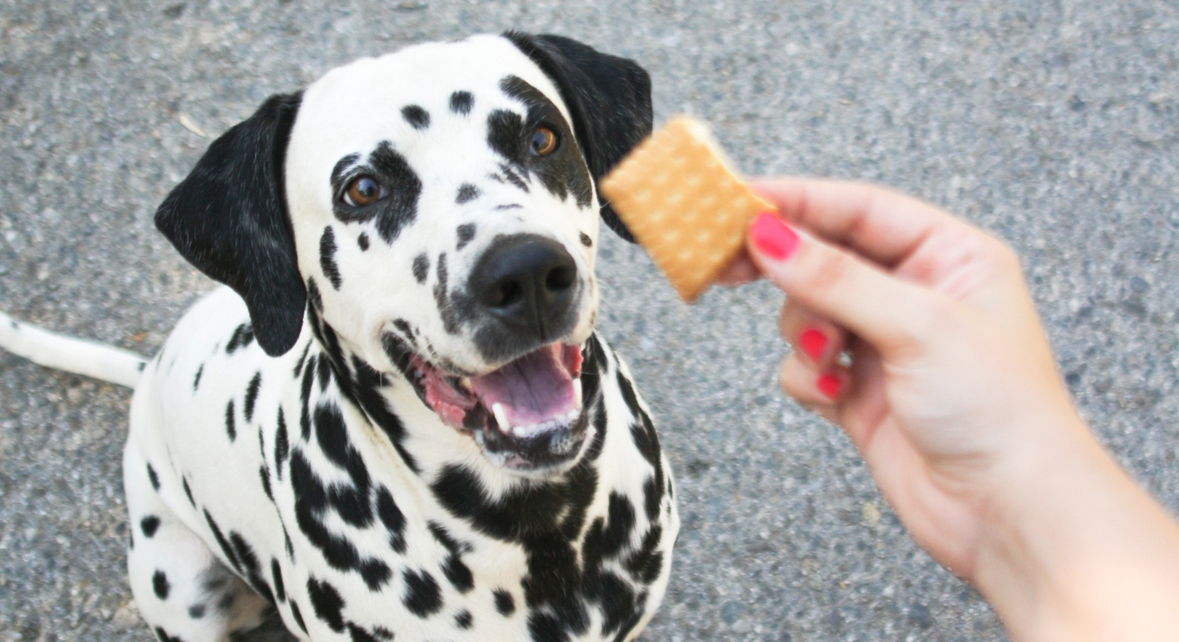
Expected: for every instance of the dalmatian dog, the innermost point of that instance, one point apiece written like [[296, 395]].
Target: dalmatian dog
[[397, 422]]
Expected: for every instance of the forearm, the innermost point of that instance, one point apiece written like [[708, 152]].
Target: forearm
[[1081, 553]]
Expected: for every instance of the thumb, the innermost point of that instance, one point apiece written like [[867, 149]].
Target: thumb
[[890, 314]]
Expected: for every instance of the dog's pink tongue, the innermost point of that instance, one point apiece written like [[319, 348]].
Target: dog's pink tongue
[[535, 388]]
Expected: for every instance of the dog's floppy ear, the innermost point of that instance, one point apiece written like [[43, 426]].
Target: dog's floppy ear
[[609, 99], [229, 219]]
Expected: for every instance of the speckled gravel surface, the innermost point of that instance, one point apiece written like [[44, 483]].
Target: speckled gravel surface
[[1053, 124]]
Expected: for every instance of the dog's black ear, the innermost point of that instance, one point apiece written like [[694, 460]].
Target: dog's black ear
[[609, 99], [229, 218]]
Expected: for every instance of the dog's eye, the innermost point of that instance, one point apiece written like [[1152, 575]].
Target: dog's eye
[[544, 142], [364, 190]]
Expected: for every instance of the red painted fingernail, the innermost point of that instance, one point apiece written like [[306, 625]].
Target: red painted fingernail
[[773, 237], [812, 342], [830, 385]]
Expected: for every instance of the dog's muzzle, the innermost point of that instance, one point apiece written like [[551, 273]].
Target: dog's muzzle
[[527, 414]]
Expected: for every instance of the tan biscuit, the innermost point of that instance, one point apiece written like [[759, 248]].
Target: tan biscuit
[[684, 205]]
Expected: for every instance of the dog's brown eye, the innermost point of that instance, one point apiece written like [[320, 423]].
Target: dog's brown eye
[[544, 141], [364, 190]]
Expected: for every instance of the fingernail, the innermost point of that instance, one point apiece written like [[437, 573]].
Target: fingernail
[[812, 342], [773, 237], [829, 385]]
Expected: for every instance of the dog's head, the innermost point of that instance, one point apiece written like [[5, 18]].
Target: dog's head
[[437, 208]]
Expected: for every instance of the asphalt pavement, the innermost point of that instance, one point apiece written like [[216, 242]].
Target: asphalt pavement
[[1053, 124]]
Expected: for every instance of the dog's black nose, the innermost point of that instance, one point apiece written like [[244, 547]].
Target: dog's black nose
[[528, 282]]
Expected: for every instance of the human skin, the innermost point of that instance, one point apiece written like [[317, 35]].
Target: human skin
[[954, 401]]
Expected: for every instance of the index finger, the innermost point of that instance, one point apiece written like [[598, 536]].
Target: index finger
[[877, 223]]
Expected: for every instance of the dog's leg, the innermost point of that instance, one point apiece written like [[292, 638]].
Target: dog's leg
[[183, 592]]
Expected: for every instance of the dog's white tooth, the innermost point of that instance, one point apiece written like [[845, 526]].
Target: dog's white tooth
[[465, 382], [577, 390], [501, 416]]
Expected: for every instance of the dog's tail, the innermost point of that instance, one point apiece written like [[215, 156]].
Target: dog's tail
[[79, 356]]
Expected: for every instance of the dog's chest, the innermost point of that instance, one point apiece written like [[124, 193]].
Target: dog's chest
[[355, 524]]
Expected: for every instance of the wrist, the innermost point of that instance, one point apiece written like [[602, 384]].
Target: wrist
[[1074, 550]]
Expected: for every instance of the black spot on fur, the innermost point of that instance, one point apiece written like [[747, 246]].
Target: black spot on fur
[[151, 477], [312, 500], [450, 320], [305, 398], [466, 193], [164, 637], [286, 537], [327, 257], [230, 422], [463, 620], [466, 232], [568, 616], [282, 445], [421, 267], [362, 241], [298, 616], [461, 102], [226, 602], [382, 633], [159, 584], [332, 436], [226, 549], [196, 381], [252, 395], [323, 374], [586, 240], [313, 295], [302, 358], [512, 177], [423, 597], [646, 563], [617, 601], [188, 492], [416, 116], [242, 336], [647, 442], [620, 522], [249, 562], [149, 525], [264, 475], [393, 519], [453, 568], [328, 604], [276, 573], [339, 171], [406, 331], [367, 394], [359, 635], [504, 603], [196, 611]]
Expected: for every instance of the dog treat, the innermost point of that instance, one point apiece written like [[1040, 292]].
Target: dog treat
[[683, 203]]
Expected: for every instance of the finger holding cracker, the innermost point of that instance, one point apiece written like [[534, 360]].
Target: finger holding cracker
[[684, 204]]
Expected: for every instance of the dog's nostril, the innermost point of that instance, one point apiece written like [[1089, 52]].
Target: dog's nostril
[[560, 278]]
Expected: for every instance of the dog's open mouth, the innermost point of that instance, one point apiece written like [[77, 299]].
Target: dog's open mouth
[[526, 415]]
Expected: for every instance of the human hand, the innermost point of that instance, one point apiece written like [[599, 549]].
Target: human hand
[[954, 401]]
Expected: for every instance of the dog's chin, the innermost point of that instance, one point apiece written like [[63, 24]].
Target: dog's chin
[[527, 416]]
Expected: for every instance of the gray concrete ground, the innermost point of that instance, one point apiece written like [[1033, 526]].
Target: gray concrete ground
[[1053, 124]]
